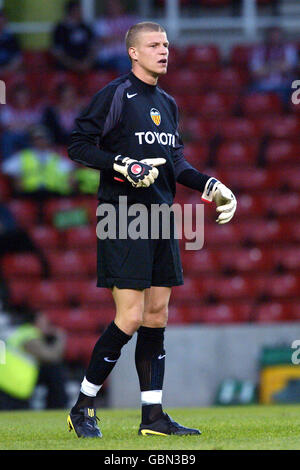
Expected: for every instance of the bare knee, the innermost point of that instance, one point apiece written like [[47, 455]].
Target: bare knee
[[156, 315]]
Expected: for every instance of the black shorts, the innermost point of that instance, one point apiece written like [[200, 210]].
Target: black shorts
[[138, 263]]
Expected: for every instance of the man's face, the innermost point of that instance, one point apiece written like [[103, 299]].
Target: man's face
[[151, 52]]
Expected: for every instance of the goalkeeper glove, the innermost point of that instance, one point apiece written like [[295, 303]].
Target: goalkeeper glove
[[225, 200], [139, 173]]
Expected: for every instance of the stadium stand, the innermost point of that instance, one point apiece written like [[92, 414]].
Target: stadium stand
[[247, 271]]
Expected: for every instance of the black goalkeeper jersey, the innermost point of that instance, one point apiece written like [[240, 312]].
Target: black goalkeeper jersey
[[131, 118]]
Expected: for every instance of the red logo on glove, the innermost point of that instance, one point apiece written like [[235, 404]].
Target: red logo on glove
[[136, 169]]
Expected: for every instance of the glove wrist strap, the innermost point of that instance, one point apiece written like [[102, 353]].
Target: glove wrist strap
[[209, 190]]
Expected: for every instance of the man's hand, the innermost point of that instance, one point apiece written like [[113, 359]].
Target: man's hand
[[140, 173], [225, 200]]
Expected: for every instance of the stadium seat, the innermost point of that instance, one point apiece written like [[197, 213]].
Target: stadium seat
[[237, 153], [185, 81], [81, 237], [257, 104], [240, 55], [216, 3], [218, 235], [288, 258], [233, 287], [272, 312], [81, 320], [47, 293], [188, 291], [284, 285], [79, 347], [22, 265], [195, 129], [226, 313], [282, 152], [228, 80], [285, 204], [96, 80], [67, 264], [20, 290], [262, 231], [90, 295], [196, 154], [45, 237], [244, 260], [211, 105], [25, 212], [55, 205], [202, 56], [281, 127], [249, 180], [289, 178], [5, 188], [240, 128], [249, 205]]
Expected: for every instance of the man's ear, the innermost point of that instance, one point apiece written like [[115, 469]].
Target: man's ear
[[132, 53]]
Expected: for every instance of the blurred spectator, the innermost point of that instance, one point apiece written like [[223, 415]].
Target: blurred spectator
[[34, 353], [59, 118], [73, 41], [273, 65], [38, 170], [16, 119], [10, 54], [110, 32]]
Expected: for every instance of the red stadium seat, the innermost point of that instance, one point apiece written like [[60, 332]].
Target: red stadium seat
[[67, 264], [45, 237], [282, 152], [185, 81], [239, 129], [257, 104], [20, 290], [90, 295], [237, 153], [286, 285], [211, 105], [272, 313], [38, 61], [246, 260], [79, 347], [195, 129], [282, 127], [240, 55], [21, 265], [188, 291], [285, 204], [75, 320], [218, 235], [249, 205], [25, 212], [202, 57], [233, 287], [5, 187], [246, 179], [262, 231], [289, 178], [288, 258], [226, 313], [229, 80], [81, 237], [96, 80], [47, 293]]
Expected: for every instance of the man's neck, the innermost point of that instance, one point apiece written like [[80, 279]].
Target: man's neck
[[145, 76]]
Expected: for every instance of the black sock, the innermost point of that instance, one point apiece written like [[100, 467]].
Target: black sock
[[106, 352], [150, 366]]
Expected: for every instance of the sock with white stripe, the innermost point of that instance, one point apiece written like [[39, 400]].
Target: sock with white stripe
[[150, 366]]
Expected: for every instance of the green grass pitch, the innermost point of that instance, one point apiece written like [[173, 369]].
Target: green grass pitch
[[234, 428]]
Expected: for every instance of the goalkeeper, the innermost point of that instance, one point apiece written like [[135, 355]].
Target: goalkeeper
[[129, 132]]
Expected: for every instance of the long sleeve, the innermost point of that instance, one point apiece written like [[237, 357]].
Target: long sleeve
[[91, 126]]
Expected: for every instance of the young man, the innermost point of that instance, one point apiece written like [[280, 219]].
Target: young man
[[127, 132]]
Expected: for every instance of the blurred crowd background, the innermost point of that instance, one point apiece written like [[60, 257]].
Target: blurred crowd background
[[231, 68]]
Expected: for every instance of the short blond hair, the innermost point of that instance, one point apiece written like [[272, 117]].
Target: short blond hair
[[132, 33]]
